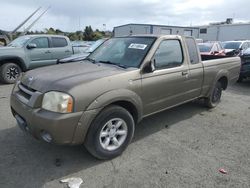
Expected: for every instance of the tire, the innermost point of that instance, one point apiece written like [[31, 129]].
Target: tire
[[214, 99], [9, 73], [100, 141]]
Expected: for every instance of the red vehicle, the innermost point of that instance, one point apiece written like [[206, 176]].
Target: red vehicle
[[211, 50]]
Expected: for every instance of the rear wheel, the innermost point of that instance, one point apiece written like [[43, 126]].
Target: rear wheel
[[214, 99], [9, 73], [110, 133]]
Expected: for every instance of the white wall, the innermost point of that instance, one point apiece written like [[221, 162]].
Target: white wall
[[131, 29], [157, 30], [226, 32]]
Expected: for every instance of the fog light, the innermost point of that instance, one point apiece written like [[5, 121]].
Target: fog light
[[46, 136]]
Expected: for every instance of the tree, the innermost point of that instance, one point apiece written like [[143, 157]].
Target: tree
[[50, 31], [97, 35], [88, 33]]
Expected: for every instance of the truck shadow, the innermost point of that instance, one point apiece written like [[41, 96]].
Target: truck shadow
[[26, 162], [167, 118]]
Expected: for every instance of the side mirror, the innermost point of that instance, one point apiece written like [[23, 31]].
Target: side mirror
[[150, 67], [152, 63], [31, 46]]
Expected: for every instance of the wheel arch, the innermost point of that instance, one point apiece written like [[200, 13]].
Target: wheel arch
[[13, 59], [224, 82], [124, 98]]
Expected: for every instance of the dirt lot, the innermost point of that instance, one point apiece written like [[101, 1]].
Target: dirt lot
[[181, 147]]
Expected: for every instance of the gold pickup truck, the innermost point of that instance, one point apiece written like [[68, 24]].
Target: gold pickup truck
[[97, 102]]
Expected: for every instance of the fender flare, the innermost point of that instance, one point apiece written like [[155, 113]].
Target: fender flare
[[20, 61], [220, 74], [116, 96]]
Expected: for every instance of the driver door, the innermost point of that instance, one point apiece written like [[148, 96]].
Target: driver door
[[167, 85], [41, 55]]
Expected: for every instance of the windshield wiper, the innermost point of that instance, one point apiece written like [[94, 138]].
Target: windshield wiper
[[112, 63], [91, 60]]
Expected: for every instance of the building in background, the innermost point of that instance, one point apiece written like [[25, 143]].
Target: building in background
[[219, 31], [224, 31], [135, 29]]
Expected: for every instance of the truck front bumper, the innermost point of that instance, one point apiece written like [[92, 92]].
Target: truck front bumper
[[50, 126]]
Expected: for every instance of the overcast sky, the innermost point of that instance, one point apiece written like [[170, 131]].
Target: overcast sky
[[76, 14]]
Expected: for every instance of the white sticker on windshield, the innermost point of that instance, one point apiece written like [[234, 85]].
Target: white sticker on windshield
[[138, 46]]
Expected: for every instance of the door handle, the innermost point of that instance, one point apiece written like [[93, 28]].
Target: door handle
[[47, 52], [67, 51], [184, 73]]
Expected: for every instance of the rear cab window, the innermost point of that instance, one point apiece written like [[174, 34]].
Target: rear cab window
[[58, 42], [192, 50]]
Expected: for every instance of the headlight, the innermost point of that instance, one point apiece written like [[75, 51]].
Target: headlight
[[57, 102]]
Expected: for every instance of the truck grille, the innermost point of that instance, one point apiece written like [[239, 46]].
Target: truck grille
[[25, 91], [27, 95]]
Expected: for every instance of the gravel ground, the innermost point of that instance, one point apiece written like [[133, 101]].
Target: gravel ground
[[182, 147]]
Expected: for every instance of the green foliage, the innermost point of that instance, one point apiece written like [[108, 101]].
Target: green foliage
[[88, 34]]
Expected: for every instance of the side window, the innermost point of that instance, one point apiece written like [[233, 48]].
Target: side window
[[192, 50], [168, 55], [41, 42], [248, 44], [244, 46], [59, 42]]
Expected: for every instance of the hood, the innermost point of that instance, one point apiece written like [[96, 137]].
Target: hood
[[8, 50], [229, 50], [63, 77]]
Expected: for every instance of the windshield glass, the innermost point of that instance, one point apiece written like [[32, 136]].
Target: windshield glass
[[95, 45], [127, 51], [19, 42], [205, 47], [231, 45]]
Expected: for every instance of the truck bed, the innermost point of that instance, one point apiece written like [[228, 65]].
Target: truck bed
[[229, 66]]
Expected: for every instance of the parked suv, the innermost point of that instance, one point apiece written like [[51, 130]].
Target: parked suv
[[235, 47], [31, 51], [245, 65]]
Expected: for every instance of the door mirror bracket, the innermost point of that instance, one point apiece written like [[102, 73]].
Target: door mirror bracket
[[149, 67]]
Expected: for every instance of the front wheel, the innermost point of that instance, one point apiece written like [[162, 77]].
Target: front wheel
[[9, 73], [110, 133], [214, 99]]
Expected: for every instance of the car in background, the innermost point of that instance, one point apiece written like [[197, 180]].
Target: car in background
[[81, 46], [235, 48], [211, 50], [30, 52], [84, 54], [245, 65]]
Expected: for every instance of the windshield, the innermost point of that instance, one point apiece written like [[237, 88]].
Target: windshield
[[231, 45], [19, 42], [95, 45], [126, 52], [205, 47]]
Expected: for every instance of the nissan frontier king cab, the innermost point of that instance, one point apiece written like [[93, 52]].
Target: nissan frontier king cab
[[97, 102]]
